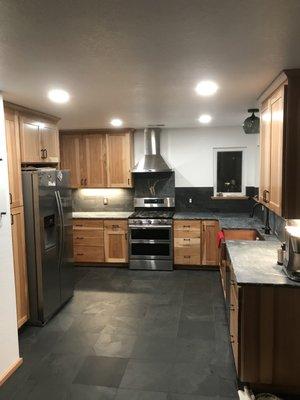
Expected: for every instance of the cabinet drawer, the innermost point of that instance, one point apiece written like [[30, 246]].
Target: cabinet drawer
[[116, 225], [187, 242], [88, 223], [88, 233], [187, 229], [187, 256], [88, 241], [88, 253]]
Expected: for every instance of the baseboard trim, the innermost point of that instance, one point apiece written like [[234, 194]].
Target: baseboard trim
[[10, 370]]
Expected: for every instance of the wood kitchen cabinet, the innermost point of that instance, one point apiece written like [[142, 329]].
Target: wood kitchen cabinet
[[119, 159], [70, 156], [20, 268], [39, 140], [88, 240], [13, 158], [210, 251], [264, 325], [280, 145], [97, 159], [116, 241], [195, 242]]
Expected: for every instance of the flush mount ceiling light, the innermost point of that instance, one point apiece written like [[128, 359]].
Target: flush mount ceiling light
[[206, 88], [205, 119], [251, 124], [116, 122], [58, 96]]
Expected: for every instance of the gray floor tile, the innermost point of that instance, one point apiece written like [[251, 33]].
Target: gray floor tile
[[76, 343], [87, 392], [114, 345], [196, 329], [155, 348], [101, 371], [147, 375], [129, 394]]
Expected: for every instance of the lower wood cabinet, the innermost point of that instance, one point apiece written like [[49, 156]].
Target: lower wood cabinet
[[116, 241], [264, 325], [100, 241], [195, 242], [20, 268]]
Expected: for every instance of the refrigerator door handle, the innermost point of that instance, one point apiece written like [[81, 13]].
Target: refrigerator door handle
[[61, 223]]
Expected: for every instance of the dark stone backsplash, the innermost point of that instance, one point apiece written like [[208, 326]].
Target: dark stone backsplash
[[92, 199], [202, 201], [154, 185]]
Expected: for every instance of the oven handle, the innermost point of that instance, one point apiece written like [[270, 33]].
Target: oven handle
[[150, 241], [150, 226]]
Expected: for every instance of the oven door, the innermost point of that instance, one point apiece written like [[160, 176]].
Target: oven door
[[150, 242]]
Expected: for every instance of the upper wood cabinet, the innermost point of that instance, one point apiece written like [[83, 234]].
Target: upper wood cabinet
[[119, 159], [97, 159], [13, 158], [70, 157], [279, 187], [39, 140]]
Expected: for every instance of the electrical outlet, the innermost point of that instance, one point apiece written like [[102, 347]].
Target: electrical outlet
[[105, 201]]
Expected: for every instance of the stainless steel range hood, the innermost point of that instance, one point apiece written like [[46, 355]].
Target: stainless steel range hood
[[152, 160]]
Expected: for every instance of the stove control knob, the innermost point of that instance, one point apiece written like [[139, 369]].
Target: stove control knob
[[149, 221]]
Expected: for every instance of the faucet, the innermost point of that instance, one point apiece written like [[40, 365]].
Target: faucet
[[266, 228]]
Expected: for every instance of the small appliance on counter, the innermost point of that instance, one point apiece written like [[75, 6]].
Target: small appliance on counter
[[291, 262]]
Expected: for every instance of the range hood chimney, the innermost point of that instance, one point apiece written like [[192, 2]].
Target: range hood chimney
[[152, 160]]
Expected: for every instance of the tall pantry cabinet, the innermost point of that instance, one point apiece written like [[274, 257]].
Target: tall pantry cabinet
[[17, 214]]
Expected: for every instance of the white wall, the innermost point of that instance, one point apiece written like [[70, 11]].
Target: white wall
[[190, 152], [9, 347]]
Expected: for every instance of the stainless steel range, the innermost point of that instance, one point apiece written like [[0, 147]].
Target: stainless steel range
[[151, 234]]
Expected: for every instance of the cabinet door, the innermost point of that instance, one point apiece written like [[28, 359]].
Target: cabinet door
[[119, 159], [50, 144], [70, 158], [31, 149], [115, 241], [94, 164], [265, 157], [20, 269], [277, 105], [13, 158], [234, 325], [210, 251]]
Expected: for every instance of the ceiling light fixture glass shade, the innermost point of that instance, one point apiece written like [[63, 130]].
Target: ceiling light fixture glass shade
[[205, 119], [206, 88], [251, 124], [116, 122], [58, 96]]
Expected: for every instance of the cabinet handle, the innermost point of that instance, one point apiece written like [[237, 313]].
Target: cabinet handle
[[79, 254], [46, 153], [12, 219], [188, 240], [85, 181], [128, 180], [42, 151], [79, 225], [77, 237], [186, 256], [81, 181], [126, 237], [10, 198], [186, 226], [267, 192]]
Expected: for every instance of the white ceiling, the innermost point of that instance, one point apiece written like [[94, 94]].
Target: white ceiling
[[141, 59]]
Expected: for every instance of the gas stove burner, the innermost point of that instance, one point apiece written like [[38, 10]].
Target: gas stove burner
[[158, 214]]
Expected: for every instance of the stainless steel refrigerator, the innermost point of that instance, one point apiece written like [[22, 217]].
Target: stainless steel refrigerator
[[49, 241]]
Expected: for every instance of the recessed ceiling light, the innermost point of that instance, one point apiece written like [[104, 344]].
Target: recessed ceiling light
[[58, 96], [116, 122], [206, 88], [205, 119]]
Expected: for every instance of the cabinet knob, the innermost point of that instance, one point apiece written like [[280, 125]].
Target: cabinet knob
[[10, 198], [12, 219]]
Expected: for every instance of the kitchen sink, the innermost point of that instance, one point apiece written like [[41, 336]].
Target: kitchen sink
[[242, 234]]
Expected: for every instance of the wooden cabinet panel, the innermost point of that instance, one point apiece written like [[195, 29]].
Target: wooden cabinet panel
[[83, 223], [20, 268], [187, 229], [92, 254], [187, 256], [210, 251], [115, 241], [265, 146], [119, 159], [50, 144], [234, 325], [13, 158], [30, 141], [94, 160], [70, 155], [276, 104]]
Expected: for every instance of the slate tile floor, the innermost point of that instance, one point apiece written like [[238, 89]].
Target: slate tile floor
[[131, 335]]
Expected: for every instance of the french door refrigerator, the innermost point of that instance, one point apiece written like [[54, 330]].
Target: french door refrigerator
[[49, 241]]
